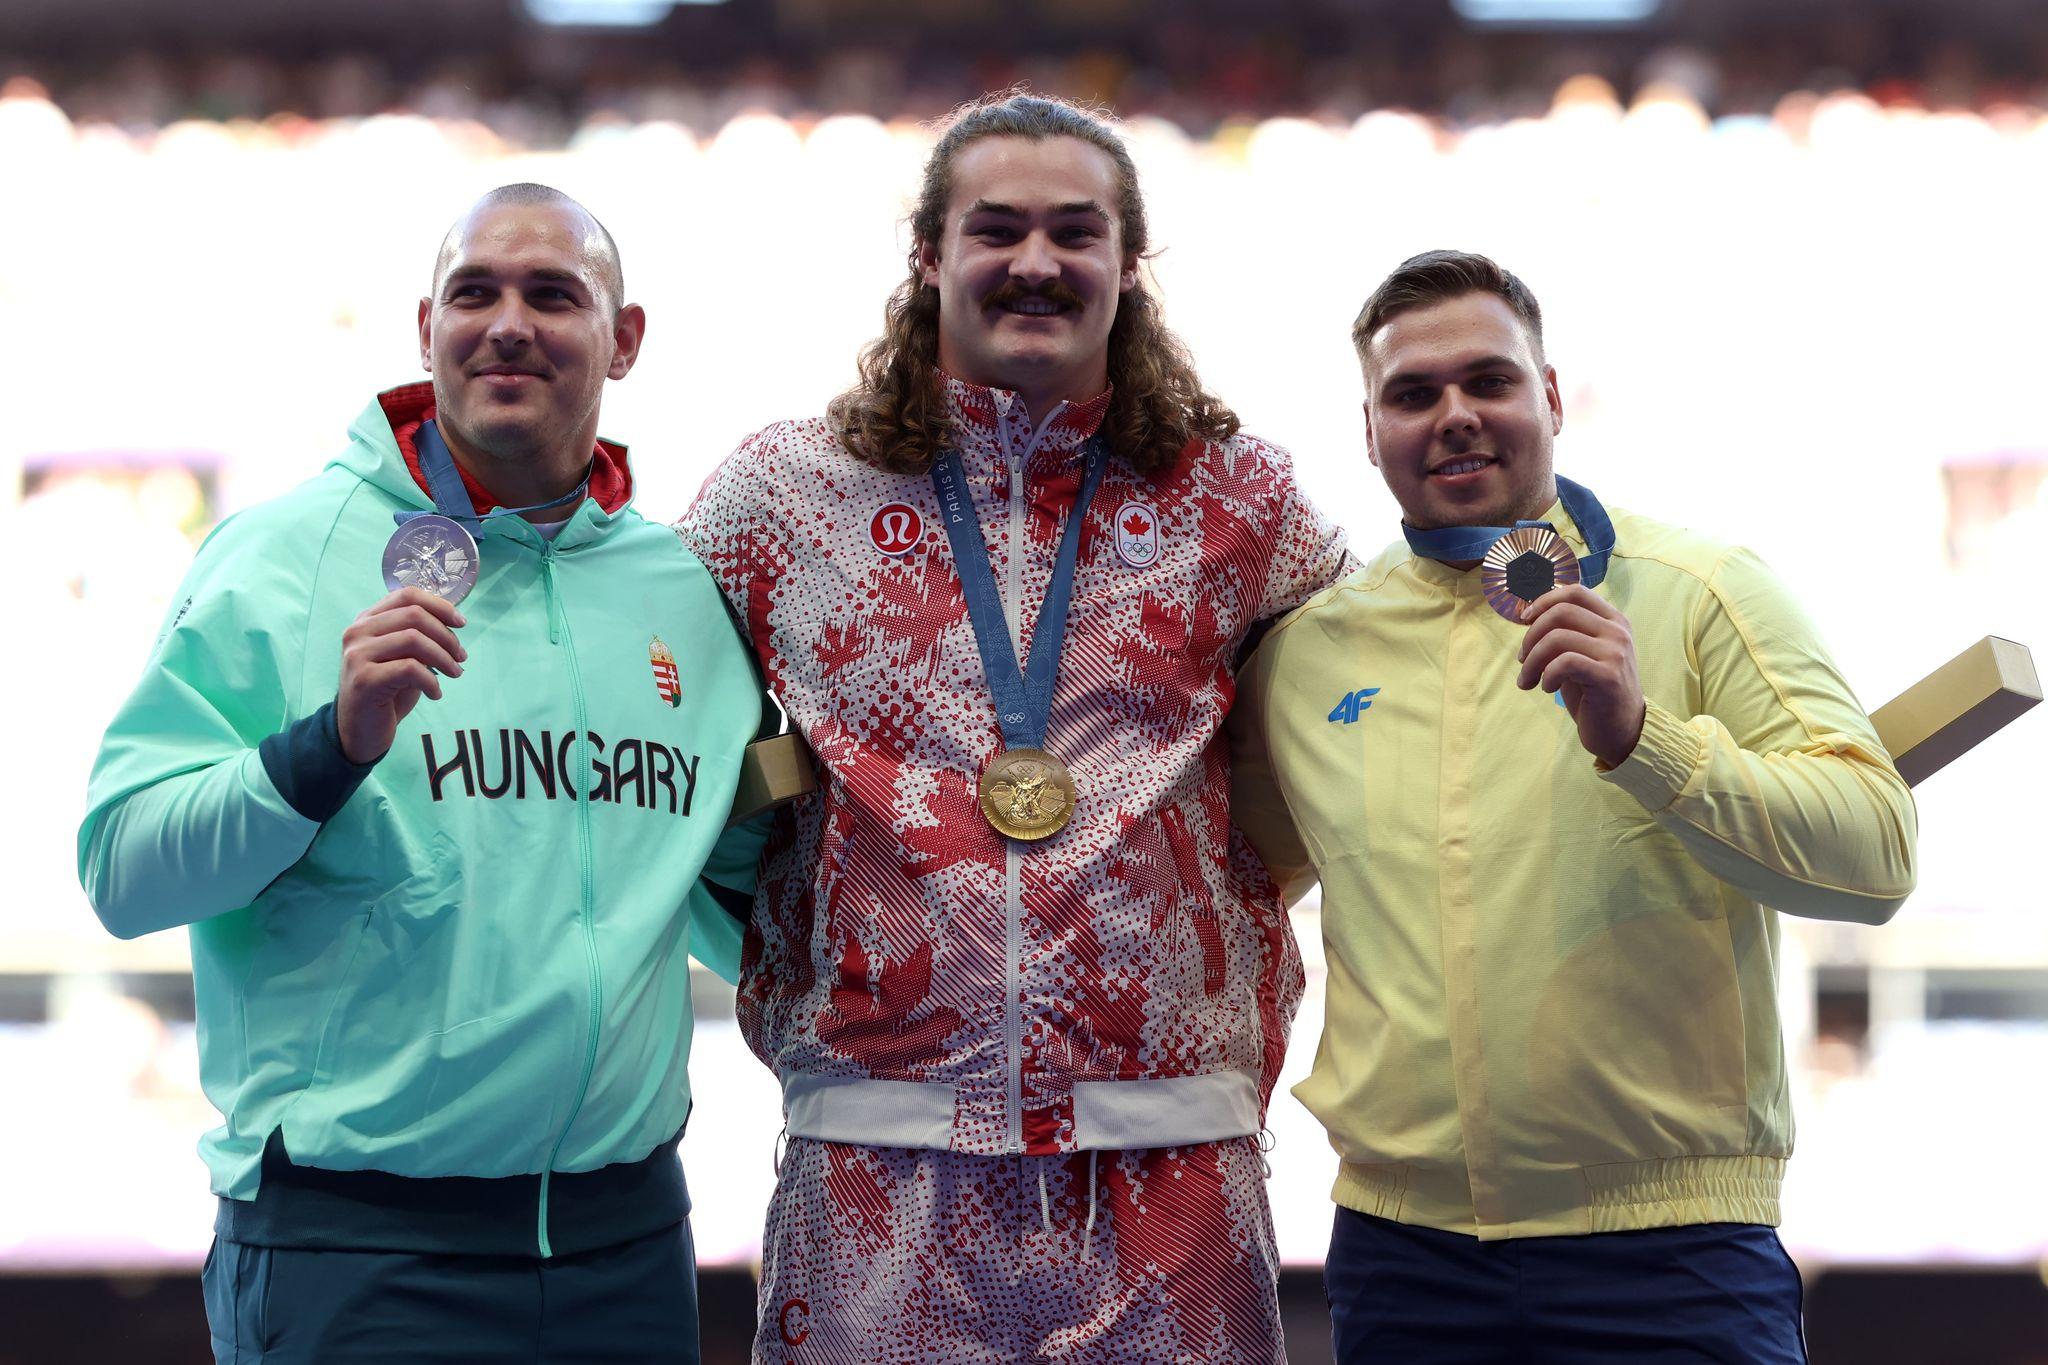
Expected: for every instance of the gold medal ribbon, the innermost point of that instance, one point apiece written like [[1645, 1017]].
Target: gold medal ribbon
[[1025, 792]]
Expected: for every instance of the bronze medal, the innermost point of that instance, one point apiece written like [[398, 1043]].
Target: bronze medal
[[1027, 793], [1523, 565]]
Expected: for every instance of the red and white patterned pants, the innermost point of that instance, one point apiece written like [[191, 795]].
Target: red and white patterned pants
[[900, 1256]]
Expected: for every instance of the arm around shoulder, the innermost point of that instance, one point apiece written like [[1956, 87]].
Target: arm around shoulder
[[1258, 805], [1308, 550], [725, 524], [721, 902]]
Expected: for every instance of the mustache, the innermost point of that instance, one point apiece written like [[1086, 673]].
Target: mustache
[[1014, 291]]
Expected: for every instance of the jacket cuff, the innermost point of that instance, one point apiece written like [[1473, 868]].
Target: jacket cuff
[[1662, 762], [305, 763]]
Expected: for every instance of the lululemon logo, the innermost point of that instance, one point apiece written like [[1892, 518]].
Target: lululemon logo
[[896, 529], [795, 1322]]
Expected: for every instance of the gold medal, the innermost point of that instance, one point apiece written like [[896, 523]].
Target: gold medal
[[1027, 793], [1523, 565]]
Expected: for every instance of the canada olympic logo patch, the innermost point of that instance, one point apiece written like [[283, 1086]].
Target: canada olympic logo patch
[[896, 529], [1137, 535]]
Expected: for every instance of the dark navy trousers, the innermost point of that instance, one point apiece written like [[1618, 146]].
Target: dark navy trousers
[[634, 1303], [1719, 1292]]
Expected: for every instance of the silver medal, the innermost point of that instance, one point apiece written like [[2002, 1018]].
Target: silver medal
[[434, 553]]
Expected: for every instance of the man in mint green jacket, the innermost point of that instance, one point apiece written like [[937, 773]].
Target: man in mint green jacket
[[443, 866]]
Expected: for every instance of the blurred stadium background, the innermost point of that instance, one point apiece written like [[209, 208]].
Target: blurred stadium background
[[1789, 254]]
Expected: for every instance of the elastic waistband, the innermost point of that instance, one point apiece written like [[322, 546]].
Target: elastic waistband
[[1564, 1202], [1166, 1111], [310, 1208]]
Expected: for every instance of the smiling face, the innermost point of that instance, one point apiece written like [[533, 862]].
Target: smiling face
[[520, 336], [1030, 267], [1461, 413]]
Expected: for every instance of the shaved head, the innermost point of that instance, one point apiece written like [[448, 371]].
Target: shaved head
[[523, 329], [599, 248]]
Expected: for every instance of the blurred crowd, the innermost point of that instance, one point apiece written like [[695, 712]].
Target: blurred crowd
[[536, 92]]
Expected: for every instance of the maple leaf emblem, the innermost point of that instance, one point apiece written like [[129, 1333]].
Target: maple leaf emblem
[[870, 1015], [1136, 524]]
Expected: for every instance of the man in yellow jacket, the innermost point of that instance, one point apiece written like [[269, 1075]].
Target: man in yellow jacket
[[1553, 832]]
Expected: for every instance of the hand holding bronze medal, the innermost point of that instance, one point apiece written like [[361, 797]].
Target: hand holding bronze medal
[[1026, 793], [1579, 647], [1523, 565]]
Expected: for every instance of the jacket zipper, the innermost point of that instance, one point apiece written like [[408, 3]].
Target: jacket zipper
[[558, 633], [555, 622], [1013, 859], [1013, 869]]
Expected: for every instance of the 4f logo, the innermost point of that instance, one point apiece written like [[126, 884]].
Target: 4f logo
[[1352, 705], [896, 529]]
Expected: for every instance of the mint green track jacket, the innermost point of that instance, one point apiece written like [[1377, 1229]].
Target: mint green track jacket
[[478, 965]]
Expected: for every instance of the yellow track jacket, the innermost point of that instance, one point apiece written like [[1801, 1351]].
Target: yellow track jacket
[[1552, 992]]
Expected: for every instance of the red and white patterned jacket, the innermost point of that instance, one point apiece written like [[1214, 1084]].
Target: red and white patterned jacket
[[913, 978]]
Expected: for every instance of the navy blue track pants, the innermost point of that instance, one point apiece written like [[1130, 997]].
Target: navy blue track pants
[[1718, 1292], [630, 1304]]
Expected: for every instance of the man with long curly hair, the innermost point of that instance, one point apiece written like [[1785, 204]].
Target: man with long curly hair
[[1026, 990]]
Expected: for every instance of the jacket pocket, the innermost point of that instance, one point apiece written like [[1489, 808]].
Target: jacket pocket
[[388, 978], [1636, 1046]]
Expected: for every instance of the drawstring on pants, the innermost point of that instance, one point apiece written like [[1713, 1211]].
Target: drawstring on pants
[[1088, 1228], [1045, 1202]]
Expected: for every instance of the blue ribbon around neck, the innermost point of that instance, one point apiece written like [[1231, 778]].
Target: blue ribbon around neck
[[1459, 543], [451, 499], [1023, 698]]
